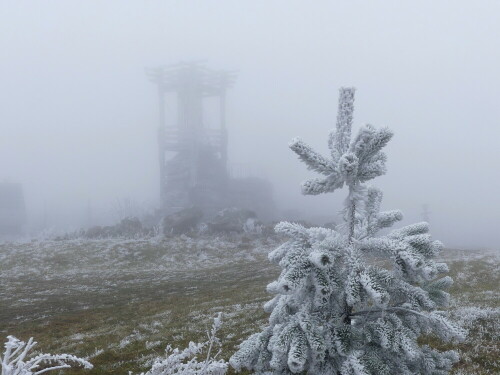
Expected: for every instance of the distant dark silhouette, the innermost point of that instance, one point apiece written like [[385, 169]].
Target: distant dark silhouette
[[197, 173], [12, 209]]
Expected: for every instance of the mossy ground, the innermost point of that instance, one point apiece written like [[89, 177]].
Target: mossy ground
[[122, 323]]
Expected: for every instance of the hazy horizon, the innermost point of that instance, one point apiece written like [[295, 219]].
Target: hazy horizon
[[79, 118]]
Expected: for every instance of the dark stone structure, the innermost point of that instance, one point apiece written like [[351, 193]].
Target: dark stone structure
[[12, 209]]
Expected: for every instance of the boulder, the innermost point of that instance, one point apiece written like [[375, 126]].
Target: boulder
[[182, 221], [94, 232], [330, 225], [233, 220], [129, 227]]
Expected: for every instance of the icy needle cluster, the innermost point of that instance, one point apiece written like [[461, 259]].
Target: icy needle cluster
[[350, 162], [186, 362], [347, 301], [17, 361]]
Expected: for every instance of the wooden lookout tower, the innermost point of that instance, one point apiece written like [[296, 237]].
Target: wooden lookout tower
[[192, 156]]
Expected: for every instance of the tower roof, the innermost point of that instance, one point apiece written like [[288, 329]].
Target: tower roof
[[191, 76]]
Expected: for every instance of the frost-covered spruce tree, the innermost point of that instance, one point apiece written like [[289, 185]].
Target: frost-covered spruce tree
[[347, 301]]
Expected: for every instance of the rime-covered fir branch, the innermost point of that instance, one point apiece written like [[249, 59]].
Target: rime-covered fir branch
[[185, 362], [389, 309], [16, 359]]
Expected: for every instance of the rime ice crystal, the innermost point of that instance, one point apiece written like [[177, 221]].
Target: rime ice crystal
[[348, 302], [185, 362], [16, 361]]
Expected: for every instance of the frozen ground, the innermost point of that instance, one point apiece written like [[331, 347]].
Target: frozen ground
[[82, 274], [120, 302]]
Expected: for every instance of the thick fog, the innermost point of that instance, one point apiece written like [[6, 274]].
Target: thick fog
[[79, 118]]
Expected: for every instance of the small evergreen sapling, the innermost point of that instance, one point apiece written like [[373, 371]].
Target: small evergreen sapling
[[347, 301]]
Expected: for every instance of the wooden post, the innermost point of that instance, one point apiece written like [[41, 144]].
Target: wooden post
[[161, 143], [223, 126]]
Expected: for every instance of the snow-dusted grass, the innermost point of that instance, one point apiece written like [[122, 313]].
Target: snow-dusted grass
[[120, 303], [476, 306], [81, 274]]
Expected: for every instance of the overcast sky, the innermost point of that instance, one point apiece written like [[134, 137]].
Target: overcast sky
[[78, 117]]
